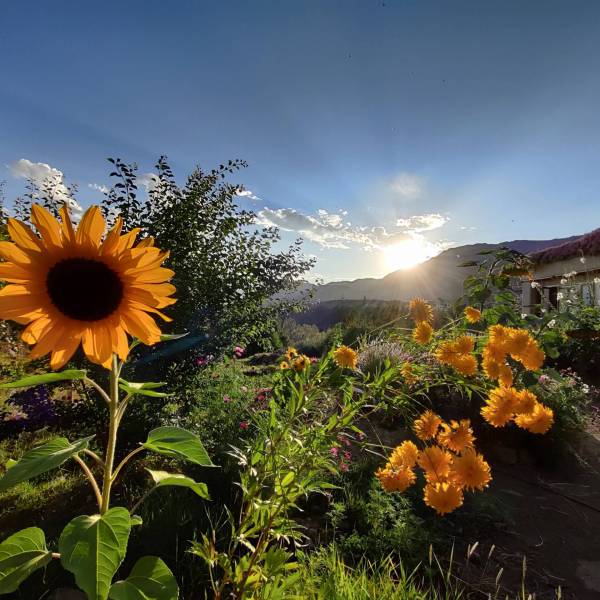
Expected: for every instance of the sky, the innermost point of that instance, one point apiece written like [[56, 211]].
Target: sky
[[381, 132]]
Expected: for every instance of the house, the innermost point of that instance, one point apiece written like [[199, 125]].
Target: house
[[563, 274]]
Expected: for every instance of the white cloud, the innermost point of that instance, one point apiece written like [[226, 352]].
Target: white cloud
[[423, 222], [407, 186], [99, 188], [243, 193], [42, 174], [148, 180]]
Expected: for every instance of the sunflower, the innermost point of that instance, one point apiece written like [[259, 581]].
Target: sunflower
[[284, 365], [291, 353], [345, 357], [71, 286], [300, 363]]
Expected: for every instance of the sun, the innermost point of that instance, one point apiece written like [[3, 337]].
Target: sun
[[408, 254]]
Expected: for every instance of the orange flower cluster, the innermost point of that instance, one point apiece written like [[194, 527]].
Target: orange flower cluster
[[457, 353], [448, 460], [505, 404], [516, 343], [294, 360], [422, 315], [407, 371]]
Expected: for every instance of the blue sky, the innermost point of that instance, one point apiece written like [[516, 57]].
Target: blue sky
[[380, 132]]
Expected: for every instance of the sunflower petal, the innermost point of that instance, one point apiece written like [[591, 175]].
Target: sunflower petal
[[47, 225], [146, 242], [14, 254], [111, 241], [14, 273], [65, 350], [48, 342], [66, 224], [23, 236], [36, 329], [141, 325], [91, 228]]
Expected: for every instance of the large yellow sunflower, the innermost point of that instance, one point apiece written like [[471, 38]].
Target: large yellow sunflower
[[70, 286]]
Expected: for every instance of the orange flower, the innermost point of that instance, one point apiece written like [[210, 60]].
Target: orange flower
[[408, 373], [526, 403], [457, 436], [470, 471], [301, 363], [443, 497], [498, 410], [435, 462], [422, 332], [427, 425], [539, 420], [499, 336], [472, 315], [420, 311], [464, 344], [345, 357], [283, 365], [446, 353], [405, 455], [466, 365], [395, 480], [533, 357], [490, 367], [505, 375]]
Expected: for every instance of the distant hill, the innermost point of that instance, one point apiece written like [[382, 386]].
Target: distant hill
[[439, 278]]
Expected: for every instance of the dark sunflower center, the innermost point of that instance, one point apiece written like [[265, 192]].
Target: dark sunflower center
[[84, 289]]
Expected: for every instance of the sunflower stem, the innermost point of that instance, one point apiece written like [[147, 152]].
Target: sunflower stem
[[90, 477], [113, 410]]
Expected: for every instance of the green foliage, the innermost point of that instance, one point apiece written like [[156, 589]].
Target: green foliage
[[20, 555], [178, 443], [67, 375], [93, 548], [41, 459], [150, 579], [164, 479]]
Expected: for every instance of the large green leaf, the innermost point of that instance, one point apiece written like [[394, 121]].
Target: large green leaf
[[93, 547], [20, 555], [150, 579], [41, 459], [143, 389], [180, 443], [163, 479], [69, 374]]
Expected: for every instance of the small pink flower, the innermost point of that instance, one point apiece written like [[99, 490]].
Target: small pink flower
[[313, 360], [343, 467], [334, 451], [260, 397], [201, 361], [244, 425], [347, 456], [544, 379], [226, 399], [244, 388], [239, 351]]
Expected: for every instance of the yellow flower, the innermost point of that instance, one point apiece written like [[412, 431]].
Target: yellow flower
[[517, 342], [466, 365], [420, 311], [505, 375], [472, 315], [283, 365], [69, 286], [526, 403], [494, 352], [490, 367], [457, 436], [499, 337], [427, 425], [464, 344], [301, 363], [435, 462], [470, 471], [345, 357], [395, 480], [533, 357], [408, 373], [499, 407], [443, 497], [539, 420], [446, 352], [405, 455], [423, 332], [291, 353]]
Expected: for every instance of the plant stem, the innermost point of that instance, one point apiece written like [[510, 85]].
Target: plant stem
[[125, 461], [113, 426], [91, 478]]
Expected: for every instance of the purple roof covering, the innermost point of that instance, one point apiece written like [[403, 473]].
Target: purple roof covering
[[586, 245]]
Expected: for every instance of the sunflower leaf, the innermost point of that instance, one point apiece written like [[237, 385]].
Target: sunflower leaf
[[143, 389], [20, 555], [163, 479], [48, 456], [32, 380], [150, 579], [93, 547], [167, 337], [179, 443]]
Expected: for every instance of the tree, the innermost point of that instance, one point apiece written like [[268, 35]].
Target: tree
[[231, 284]]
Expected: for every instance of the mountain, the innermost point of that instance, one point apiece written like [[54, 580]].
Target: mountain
[[439, 278]]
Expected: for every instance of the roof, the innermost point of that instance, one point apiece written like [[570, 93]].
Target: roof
[[586, 245]]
